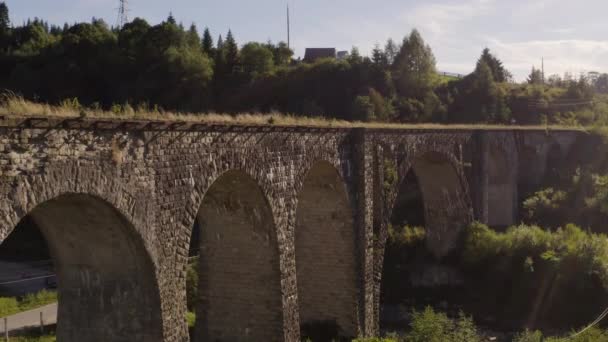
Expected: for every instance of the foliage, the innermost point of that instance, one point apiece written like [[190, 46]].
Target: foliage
[[406, 235], [10, 306], [544, 203], [431, 326], [191, 319], [192, 285], [168, 67]]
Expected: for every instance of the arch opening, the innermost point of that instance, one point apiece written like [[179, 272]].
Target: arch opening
[[325, 256], [501, 186], [239, 288], [426, 218], [446, 207], [107, 287]]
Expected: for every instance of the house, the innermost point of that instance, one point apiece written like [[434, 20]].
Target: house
[[313, 54], [342, 55]]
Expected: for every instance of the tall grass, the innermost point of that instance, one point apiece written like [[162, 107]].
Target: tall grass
[[11, 104], [10, 306]]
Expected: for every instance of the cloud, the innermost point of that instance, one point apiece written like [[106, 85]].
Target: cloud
[[440, 18], [560, 55]]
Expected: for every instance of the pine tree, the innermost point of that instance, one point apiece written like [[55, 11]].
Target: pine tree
[[5, 22], [192, 38], [354, 57], [220, 43], [536, 76], [231, 52], [390, 51], [378, 56], [207, 43], [498, 70], [171, 19]]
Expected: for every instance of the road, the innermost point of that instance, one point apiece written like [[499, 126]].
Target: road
[[30, 318]]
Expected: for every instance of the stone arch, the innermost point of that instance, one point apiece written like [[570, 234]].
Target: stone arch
[[107, 281], [239, 271], [501, 188], [447, 205], [326, 260], [553, 161]]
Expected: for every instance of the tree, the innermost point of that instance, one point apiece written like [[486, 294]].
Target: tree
[[390, 51], [256, 59], [414, 67], [601, 84], [230, 52], [536, 76], [192, 38], [498, 71], [5, 26], [378, 56], [354, 57], [363, 109], [171, 19], [207, 43], [5, 23]]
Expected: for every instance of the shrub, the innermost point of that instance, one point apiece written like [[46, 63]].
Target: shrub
[[192, 285], [430, 326], [406, 235], [8, 306]]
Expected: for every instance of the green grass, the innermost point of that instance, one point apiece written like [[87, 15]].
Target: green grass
[[15, 106], [11, 306], [47, 338]]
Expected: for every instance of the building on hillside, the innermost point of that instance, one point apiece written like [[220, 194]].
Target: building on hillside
[[313, 54]]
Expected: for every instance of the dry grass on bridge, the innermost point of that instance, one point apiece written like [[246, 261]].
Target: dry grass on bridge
[[12, 105]]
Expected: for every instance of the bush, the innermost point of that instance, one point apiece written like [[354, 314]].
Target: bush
[[192, 285], [406, 235], [8, 306], [430, 326]]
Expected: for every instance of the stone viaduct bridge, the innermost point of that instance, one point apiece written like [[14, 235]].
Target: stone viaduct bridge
[[293, 219]]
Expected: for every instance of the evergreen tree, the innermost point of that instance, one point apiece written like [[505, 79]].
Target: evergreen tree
[[192, 38], [390, 51], [220, 43], [171, 19], [498, 70], [5, 26], [378, 56], [207, 43], [536, 76], [354, 57], [5, 22], [414, 67], [231, 52]]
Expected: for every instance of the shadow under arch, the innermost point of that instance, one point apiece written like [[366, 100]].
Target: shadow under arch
[[107, 284], [447, 207], [501, 189], [239, 270], [326, 260]]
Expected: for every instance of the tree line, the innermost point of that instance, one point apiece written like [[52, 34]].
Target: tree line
[[171, 67]]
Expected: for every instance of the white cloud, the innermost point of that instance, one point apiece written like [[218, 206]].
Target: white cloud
[[440, 18], [560, 55]]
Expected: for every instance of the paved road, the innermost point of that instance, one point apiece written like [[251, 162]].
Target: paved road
[[31, 318]]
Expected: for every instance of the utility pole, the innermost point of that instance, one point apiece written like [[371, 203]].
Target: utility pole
[[288, 29], [122, 13], [543, 68]]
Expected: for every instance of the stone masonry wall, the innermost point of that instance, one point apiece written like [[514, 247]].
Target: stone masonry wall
[[154, 177]]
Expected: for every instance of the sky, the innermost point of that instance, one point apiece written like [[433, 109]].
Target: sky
[[571, 36]]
